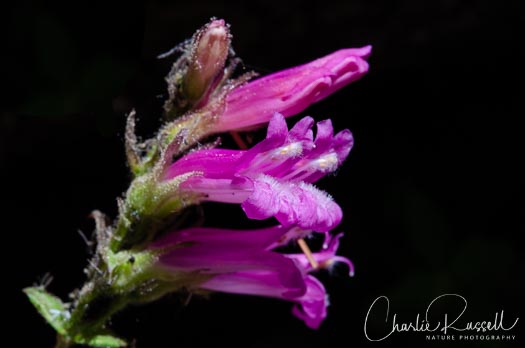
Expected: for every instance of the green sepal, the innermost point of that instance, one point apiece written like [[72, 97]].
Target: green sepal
[[50, 307], [149, 207]]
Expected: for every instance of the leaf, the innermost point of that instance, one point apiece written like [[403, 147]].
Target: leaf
[[102, 341], [50, 307]]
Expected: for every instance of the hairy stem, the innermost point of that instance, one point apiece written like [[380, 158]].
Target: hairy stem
[[62, 342]]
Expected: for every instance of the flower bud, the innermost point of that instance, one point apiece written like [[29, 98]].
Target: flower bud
[[209, 50]]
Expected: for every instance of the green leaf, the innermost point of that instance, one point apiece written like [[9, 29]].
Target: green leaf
[[102, 341], [50, 307]]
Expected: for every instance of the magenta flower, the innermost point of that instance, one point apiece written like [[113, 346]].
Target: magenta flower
[[293, 90], [146, 253], [242, 262], [274, 177]]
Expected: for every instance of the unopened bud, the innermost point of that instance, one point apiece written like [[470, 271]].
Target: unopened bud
[[210, 46]]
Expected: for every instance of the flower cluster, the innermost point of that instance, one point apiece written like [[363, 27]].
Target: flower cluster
[[272, 179], [146, 253], [242, 262]]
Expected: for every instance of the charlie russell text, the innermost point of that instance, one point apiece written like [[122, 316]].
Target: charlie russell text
[[380, 308]]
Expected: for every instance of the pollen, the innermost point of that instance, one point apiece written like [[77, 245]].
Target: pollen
[[290, 150], [326, 163]]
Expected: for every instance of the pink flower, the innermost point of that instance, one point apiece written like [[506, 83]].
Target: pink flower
[[274, 177], [293, 90], [242, 262]]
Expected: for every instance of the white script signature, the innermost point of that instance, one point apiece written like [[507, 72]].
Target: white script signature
[[424, 325]]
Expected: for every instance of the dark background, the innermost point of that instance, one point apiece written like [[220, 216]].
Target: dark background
[[432, 190]]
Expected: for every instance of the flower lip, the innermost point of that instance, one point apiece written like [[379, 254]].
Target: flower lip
[[326, 257], [312, 305], [291, 155], [272, 179], [292, 204]]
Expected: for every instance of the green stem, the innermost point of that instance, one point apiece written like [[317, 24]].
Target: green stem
[[62, 342], [95, 305]]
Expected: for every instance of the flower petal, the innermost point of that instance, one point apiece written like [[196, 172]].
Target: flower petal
[[293, 90], [350, 67], [312, 305], [259, 238], [290, 155], [342, 144], [235, 190], [324, 136], [221, 257], [260, 283], [292, 204], [214, 163], [302, 131], [325, 258]]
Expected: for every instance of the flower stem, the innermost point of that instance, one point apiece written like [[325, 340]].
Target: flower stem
[[62, 342]]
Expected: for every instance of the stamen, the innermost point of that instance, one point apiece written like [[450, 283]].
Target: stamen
[[238, 140], [266, 161], [308, 253], [326, 163]]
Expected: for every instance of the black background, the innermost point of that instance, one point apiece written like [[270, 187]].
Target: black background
[[432, 191]]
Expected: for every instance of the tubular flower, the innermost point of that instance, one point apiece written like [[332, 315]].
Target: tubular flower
[[242, 262], [274, 177], [293, 90]]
